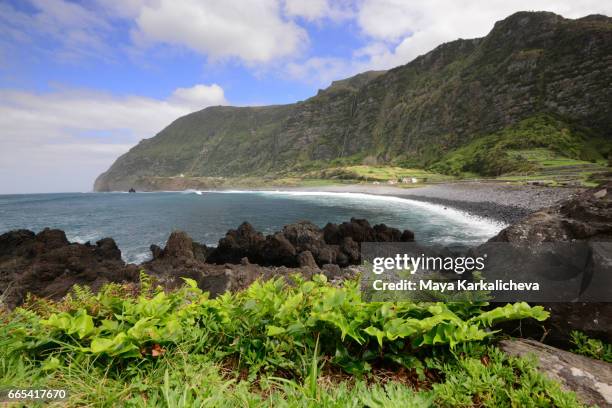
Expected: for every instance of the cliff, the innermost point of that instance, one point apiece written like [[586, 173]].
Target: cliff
[[531, 63]]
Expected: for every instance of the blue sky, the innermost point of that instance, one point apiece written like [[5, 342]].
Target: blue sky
[[83, 81]]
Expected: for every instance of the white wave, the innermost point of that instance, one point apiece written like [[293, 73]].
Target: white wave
[[191, 191], [83, 238], [477, 225], [137, 258]]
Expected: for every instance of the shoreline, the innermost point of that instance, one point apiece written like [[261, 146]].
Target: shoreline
[[501, 202], [486, 200]]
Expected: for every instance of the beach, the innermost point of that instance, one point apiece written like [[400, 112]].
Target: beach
[[503, 202]]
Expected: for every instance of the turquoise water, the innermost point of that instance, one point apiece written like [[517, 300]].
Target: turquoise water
[[138, 220]]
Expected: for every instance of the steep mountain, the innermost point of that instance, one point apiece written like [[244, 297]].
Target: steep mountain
[[532, 64]]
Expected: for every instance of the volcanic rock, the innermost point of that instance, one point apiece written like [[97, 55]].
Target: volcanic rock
[[586, 216], [305, 259], [276, 250], [47, 265], [237, 244], [334, 244]]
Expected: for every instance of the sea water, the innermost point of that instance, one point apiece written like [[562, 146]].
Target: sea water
[[138, 220]]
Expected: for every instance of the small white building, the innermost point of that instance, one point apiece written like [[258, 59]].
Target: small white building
[[410, 180]]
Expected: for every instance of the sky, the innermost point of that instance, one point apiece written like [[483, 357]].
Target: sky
[[81, 82]]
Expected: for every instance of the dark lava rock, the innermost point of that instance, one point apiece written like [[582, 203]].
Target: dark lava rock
[[170, 268], [331, 271], [357, 229], [276, 250], [156, 251], [350, 249], [306, 236], [108, 249], [17, 243], [180, 246], [305, 259], [237, 244], [584, 217], [47, 265], [334, 244]]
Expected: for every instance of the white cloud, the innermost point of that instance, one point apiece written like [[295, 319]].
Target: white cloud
[[407, 29], [313, 10], [320, 71], [397, 31], [253, 31], [260, 32], [310, 10], [70, 30], [199, 96], [63, 139]]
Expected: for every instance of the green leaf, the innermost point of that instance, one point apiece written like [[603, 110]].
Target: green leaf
[[375, 332], [82, 324], [50, 364], [101, 345], [190, 282], [274, 330]]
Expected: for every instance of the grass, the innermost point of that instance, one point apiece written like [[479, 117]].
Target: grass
[[375, 173], [554, 169], [541, 147], [326, 177], [279, 343], [385, 173], [593, 348]]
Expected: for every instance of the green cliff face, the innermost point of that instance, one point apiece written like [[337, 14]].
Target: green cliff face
[[418, 114]]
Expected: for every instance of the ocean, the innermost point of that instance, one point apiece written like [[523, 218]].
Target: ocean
[[138, 220]]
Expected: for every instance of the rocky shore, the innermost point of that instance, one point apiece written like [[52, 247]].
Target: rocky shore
[[48, 265], [586, 216]]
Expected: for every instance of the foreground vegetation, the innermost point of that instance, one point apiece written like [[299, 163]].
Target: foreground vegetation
[[307, 343], [589, 347]]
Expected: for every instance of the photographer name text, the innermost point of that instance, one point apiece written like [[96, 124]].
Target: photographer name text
[[463, 285]]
